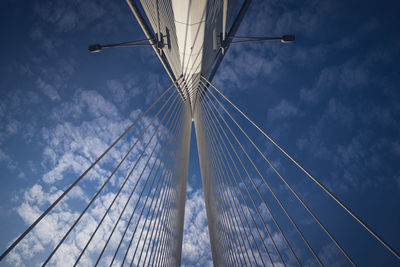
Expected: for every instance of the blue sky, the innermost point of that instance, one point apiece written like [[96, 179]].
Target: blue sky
[[331, 99]]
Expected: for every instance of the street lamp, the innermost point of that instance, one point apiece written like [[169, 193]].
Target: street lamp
[[158, 42], [246, 39], [95, 48]]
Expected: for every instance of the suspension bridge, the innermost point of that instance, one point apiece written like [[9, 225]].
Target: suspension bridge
[[250, 223]]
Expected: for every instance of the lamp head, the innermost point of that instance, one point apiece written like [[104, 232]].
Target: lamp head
[[287, 38], [95, 48]]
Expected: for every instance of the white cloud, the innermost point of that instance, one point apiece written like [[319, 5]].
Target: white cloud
[[47, 89], [9, 162], [125, 89], [97, 105], [282, 111], [196, 249], [338, 111], [118, 90], [71, 15], [330, 254]]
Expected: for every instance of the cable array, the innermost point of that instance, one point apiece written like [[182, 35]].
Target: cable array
[[250, 212], [251, 220], [151, 194]]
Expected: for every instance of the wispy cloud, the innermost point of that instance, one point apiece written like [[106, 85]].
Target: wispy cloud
[[71, 15], [196, 250], [282, 111], [48, 90]]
